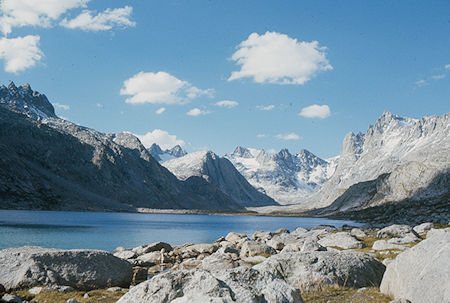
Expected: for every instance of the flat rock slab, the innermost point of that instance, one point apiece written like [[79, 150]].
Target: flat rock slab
[[316, 269], [29, 266], [422, 273], [341, 239], [244, 285]]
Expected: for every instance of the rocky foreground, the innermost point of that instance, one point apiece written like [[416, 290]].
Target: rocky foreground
[[320, 264]]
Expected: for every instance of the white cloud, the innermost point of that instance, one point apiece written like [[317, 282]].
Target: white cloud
[[99, 105], [159, 111], [227, 103], [260, 136], [102, 21], [61, 106], [278, 58], [265, 107], [159, 88], [315, 111], [447, 66], [19, 13], [291, 136], [438, 77], [421, 83], [160, 137], [197, 112], [20, 53]]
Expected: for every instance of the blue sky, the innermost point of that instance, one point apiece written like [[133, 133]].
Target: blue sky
[[370, 56]]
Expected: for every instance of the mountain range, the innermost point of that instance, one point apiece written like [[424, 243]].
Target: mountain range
[[51, 163]]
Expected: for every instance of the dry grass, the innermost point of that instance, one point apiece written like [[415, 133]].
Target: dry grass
[[345, 295], [95, 296]]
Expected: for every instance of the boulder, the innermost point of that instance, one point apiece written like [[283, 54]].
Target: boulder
[[29, 266], [383, 245], [422, 273], [341, 239], [408, 238], [235, 237], [252, 248], [125, 254], [156, 246], [149, 259], [314, 270], [10, 298], [394, 231], [423, 228], [244, 285], [222, 260], [358, 233]]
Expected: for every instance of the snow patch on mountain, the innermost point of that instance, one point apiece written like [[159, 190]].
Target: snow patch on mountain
[[283, 176]]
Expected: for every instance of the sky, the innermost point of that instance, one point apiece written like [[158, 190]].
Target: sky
[[220, 74]]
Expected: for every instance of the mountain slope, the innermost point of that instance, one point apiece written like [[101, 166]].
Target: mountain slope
[[413, 151], [50, 163], [220, 172], [285, 177]]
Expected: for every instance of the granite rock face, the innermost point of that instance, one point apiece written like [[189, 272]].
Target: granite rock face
[[316, 269], [422, 273], [30, 266], [244, 285]]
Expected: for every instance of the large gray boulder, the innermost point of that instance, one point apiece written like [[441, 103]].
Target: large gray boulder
[[421, 274], [241, 284], [316, 269], [30, 266]]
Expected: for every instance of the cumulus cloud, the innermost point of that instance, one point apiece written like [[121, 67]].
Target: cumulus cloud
[[160, 88], [260, 136], [159, 111], [160, 137], [19, 13], [99, 105], [20, 53], [102, 21], [315, 111], [290, 136], [447, 66], [265, 107], [278, 58], [61, 106], [197, 112], [227, 103]]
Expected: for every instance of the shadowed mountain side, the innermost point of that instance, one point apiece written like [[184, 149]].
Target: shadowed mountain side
[[365, 202], [68, 167], [221, 173]]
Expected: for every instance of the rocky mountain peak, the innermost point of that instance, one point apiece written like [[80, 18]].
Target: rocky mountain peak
[[176, 151], [242, 152], [26, 101]]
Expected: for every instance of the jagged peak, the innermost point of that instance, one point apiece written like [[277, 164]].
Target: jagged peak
[[12, 86], [242, 152]]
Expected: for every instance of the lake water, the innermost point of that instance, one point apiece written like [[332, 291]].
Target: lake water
[[97, 230]]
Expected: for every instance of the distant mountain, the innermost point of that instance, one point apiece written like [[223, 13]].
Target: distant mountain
[[285, 177], [50, 163], [397, 159], [220, 172], [161, 156]]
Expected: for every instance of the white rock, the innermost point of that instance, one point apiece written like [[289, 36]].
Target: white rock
[[383, 244], [423, 228], [341, 239], [394, 231], [10, 298], [35, 290], [241, 285], [415, 273]]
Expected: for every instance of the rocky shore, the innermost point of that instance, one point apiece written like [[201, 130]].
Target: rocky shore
[[397, 263]]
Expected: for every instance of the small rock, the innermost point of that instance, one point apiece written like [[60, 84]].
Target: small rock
[[362, 289], [383, 244], [423, 228], [358, 233], [35, 290], [408, 238], [115, 289], [340, 239], [86, 296], [72, 300], [59, 288], [9, 298], [235, 237], [310, 245], [394, 231], [252, 248], [149, 259], [125, 254], [254, 260]]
